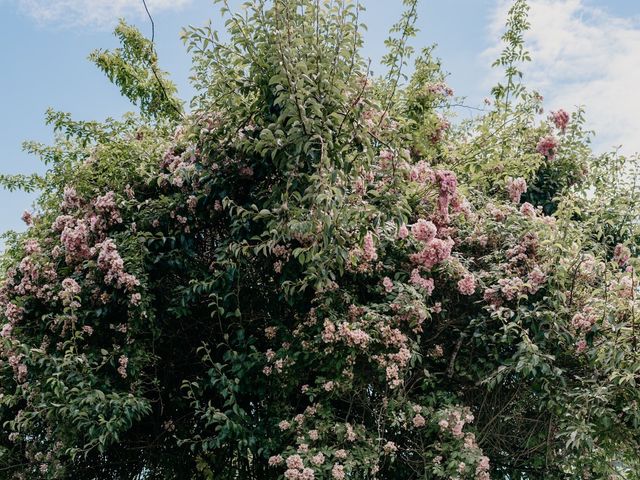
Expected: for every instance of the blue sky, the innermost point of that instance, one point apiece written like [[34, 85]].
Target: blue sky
[[45, 44]]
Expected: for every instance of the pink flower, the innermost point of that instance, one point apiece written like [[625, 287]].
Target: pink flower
[[337, 472], [435, 251], [621, 254], [417, 280], [7, 328], [328, 386], [341, 454], [27, 217], [389, 447], [106, 206], [75, 239], [295, 462], [70, 289], [527, 210], [560, 119], [13, 312], [467, 286], [537, 278], [388, 284], [318, 459], [448, 184], [135, 299], [307, 474], [284, 425], [547, 146], [123, 361], [403, 232], [270, 332], [370, 253], [516, 187], [418, 421], [70, 199], [581, 346], [424, 230], [275, 460], [111, 263]]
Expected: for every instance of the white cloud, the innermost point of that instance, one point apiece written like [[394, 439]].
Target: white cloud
[[93, 13], [584, 55]]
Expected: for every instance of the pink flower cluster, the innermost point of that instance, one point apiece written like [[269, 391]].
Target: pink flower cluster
[[436, 251], [560, 119], [621, 254], [370, 253], [424, 230], [421, 172], [70, 199], [70, 289], [296, 469], [74, 238], [547, 146], [482, 469], [439, 88], [20, 370], [27, 217], [448, 185], [123, 361], [584, 320], [425, 283], [455, 421], [106, 204], [442, 125], [111, 263], [467, 285], [516, 187], [338, 472]]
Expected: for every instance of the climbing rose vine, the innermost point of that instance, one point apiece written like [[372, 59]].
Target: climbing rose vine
[[314, 273]]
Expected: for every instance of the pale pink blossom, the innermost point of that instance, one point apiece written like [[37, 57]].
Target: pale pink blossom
[[547, 146], [388, 284], [561, 119], [27, 218], [341, 454], [390, 447], [337, 472], [417, 280], [295, 462], [528, 210], [516, 187], [424, 230], [436, 251], [581, 346], [370, 253], [467, 285], [621, 254], [123, 361], [284, 425]]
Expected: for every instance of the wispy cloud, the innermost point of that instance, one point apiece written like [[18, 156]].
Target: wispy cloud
[[91, 13], [584, 55]]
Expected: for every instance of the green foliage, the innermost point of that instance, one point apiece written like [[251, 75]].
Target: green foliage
[[316, 275], [134, 68]]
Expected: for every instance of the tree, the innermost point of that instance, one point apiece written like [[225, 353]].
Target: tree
[[314, 274]]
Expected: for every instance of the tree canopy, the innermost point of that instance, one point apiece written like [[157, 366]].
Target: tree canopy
[[314, 273]]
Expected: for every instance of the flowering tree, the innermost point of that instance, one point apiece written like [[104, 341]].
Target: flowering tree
[[316, 275]]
